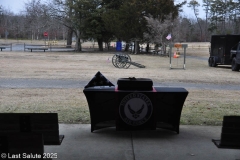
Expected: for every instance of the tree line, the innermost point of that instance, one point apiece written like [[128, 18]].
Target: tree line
[[142, 21]]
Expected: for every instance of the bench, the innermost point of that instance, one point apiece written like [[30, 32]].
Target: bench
[[159, 51], [5, 46], [62, 48], [153, 51], [36, 123], [2, 48], [35, 47]]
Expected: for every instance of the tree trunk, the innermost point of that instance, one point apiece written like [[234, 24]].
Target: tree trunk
[[164, 48], [147, 48], [136, 47], [127, 47], [79, 48], [78, 45], [107, 45], [69, 37], [100, 44]]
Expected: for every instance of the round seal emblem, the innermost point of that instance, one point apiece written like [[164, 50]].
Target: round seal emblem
[[135, 109]]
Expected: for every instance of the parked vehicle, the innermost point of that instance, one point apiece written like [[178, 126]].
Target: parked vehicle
[[235, 53], [220, 51]]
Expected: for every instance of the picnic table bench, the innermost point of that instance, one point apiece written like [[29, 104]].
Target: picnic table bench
[[5, 46], [157, 51], [2, 48], [35, 47]]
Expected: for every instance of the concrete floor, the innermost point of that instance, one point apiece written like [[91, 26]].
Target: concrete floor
[[193, 143]]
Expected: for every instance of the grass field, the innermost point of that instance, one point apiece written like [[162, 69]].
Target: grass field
[[202, 106]]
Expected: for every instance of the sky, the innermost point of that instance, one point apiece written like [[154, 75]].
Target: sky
[[188, 12], [16, 6]]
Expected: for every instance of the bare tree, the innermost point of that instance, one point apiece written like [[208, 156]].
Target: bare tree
[[194, 5], [206, 5], [64, 12], [6, 23], [36, 17], [158, 30]]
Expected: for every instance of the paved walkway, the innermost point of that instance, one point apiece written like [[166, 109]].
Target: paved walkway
[[193, 143], [71, 83]]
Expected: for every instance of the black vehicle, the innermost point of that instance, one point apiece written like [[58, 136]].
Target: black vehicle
[[220, 51], [235, 54]]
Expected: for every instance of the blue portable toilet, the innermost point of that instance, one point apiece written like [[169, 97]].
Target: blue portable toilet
[[119, 46]]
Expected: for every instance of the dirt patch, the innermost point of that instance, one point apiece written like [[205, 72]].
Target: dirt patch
[[204, 107]]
